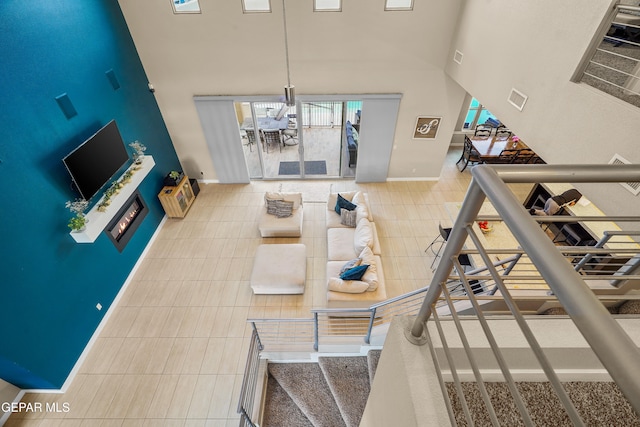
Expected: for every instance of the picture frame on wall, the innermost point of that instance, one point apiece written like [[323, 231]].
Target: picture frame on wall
[[426, 127]]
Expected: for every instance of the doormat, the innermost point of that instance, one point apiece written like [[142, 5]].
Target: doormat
[[311, 167]]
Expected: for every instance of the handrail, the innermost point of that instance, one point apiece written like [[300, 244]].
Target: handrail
[[611, 344]]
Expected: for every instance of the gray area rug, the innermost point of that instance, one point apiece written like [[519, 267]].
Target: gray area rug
[[598, 403], [348, 379], [311, 167]]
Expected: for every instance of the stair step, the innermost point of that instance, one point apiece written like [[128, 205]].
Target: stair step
[[373, 357], [306, 385], [348, 379], [279, 406]]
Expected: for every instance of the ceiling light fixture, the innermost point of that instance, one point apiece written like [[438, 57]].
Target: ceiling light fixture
[[289, 89]]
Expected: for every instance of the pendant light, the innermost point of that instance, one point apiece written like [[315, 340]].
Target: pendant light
[[289, 89]]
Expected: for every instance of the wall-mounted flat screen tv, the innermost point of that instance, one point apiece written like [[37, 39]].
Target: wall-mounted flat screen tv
[[94, 163]]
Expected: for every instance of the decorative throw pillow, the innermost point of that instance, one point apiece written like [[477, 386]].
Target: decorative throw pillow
[[355, 135], [348, 218], [283, 209], [336, 284], [350, 264], [270, 200], [343, 203], [271, 206], [354, 273]]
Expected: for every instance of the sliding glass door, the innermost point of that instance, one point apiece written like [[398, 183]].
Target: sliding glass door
[[270, 139]]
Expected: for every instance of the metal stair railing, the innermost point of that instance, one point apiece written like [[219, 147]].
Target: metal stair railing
[[613, 347]]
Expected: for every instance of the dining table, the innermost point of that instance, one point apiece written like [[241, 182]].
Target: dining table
[[490, 147]]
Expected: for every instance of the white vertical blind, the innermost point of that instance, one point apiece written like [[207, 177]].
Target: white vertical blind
[[220, 127], [377, 129]]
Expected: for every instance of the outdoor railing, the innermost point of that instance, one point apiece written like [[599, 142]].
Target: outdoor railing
[[610, 343]]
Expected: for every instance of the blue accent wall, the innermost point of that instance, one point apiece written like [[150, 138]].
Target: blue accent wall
[[50, 285]]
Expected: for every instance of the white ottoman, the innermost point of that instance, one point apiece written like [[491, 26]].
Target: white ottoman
[[279, 269]]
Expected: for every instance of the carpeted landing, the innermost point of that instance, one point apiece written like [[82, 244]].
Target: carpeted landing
[[597, 403], [330, 393]]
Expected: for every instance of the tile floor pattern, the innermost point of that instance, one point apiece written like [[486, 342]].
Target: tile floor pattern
[[173, 351]]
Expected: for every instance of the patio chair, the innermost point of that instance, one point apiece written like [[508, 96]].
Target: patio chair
[[251, 138], [271, 137], [290, 134]]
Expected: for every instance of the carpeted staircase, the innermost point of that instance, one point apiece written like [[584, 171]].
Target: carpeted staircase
[[330, 393]]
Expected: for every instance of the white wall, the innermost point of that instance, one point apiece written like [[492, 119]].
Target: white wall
[[535, 46], [359, 50]]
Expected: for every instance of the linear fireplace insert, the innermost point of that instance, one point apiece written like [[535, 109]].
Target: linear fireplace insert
[[126, 221]]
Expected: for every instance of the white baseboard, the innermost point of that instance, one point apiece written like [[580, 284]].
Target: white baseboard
[[103, 322]]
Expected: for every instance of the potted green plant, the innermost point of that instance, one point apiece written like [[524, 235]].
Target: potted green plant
[[173, 178], [79, 221]]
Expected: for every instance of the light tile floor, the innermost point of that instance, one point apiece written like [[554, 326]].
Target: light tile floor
[[173, 351]]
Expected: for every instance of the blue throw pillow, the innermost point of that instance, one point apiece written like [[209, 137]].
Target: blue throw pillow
[[354, 273], [343, 203]]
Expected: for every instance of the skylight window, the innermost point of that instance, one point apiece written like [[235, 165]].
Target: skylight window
[[398, 5], [185, 6], [327, 5], [250, 6]]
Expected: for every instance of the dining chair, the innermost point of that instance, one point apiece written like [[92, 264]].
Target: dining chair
[[502, 132], [469, 155], [483, 130], [524, 156], [506, 156], [271, 137], [536, 160]]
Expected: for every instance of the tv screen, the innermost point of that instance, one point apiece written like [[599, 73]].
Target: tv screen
[[93, 163]]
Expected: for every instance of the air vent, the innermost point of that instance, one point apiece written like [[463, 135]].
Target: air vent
[[457, 57], [517, 99], [633, 187]]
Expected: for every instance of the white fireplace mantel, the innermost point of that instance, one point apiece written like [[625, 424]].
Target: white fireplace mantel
[[96, 220]]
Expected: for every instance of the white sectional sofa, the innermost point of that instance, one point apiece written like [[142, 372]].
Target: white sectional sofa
[[271, 225], [344, 244]]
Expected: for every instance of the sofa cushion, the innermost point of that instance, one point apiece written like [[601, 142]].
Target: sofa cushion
[[340, 244], [336, 284], [363, 210], [272, 226], [371, 274], [363, 236], [342, 203], [354, 273], [346, 300]]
